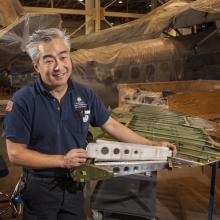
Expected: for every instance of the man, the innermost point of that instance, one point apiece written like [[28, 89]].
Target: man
[[46, 128]]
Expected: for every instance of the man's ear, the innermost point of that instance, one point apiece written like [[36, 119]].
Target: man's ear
[[35, 67]]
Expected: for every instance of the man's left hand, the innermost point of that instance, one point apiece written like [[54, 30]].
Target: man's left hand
[[172, 147]]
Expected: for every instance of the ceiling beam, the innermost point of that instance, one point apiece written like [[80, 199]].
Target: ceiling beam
[[97, 15], [80, 12], [51, 3], [55, 10], [89, 21]]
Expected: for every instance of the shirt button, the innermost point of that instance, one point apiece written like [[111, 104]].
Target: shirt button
[[54, 100], [58, 108]]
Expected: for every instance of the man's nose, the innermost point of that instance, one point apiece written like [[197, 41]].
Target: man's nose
[[58, 64]]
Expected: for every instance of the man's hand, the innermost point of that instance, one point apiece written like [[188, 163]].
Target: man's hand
[[172, 147], [75, 158]]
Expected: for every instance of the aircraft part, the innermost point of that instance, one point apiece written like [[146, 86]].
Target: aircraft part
[[90, 171], [132, 167], [106, 170], [112, 159], [119, 151], [156, 123], [109, 159]]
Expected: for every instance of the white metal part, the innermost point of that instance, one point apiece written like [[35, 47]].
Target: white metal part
[[132, 167], [120, 151]]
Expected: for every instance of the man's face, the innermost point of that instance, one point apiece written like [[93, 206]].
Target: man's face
[[54, 63]]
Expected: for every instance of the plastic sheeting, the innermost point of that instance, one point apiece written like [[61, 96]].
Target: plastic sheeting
[[14, 37], [104, 67], [173, 14], [115, 62]]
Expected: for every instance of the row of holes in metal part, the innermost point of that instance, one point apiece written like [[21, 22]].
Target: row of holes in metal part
[[105, 150], [126, 169]]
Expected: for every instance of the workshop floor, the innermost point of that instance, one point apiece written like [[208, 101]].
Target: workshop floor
[[182, 194]]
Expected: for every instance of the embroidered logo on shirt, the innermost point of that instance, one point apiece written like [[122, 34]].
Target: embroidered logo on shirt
[[80, 104], [79, 99], [82, 108], [85, 118], [9, 106]]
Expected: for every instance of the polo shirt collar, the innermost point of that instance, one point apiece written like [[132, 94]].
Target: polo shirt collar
[[70, 84], [41, 87], [45, 91]]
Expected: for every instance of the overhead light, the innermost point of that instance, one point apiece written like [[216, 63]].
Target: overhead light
[[120, 2], [80, 0]]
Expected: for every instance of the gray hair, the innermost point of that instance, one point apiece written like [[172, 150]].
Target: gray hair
[[43, 36]]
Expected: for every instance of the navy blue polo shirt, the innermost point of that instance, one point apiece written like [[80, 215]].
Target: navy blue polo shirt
[[45, 125]]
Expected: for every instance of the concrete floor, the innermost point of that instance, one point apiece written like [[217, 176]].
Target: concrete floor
[[182, 194]]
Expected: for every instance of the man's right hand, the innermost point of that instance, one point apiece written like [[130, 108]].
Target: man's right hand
[[75, 158]]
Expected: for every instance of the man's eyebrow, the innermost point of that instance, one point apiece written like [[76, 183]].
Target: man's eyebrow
[[62, 52], [47, 56], [51, 56]]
